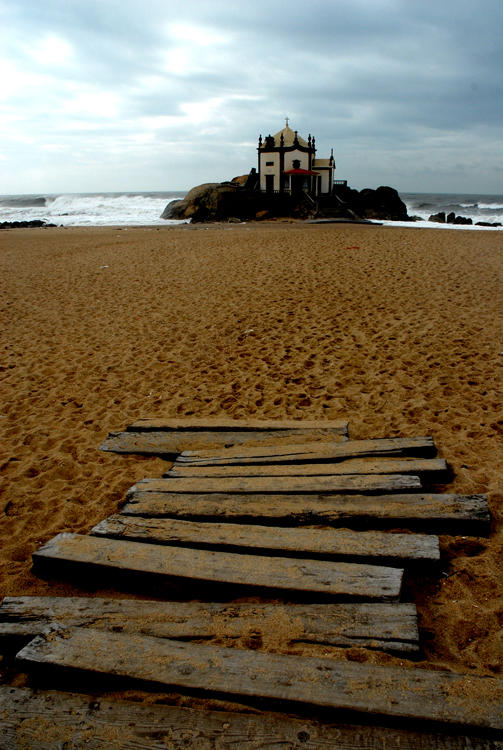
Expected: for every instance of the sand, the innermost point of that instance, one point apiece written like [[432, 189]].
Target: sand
[[396, 329]]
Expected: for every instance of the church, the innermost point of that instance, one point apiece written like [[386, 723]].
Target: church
[[287, 164]]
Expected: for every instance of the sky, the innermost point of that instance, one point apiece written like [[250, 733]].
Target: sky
[[131, 95]]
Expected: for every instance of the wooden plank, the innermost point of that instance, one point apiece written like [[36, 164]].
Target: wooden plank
[[381, 547], [383, 626], [435, 468], [161, 437], [413, 694], [314, 451], [445, 512], [51, 720], [222, 424], [198, 566], [283, 485]]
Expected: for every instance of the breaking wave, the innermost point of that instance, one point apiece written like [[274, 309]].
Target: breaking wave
[[89, 209]]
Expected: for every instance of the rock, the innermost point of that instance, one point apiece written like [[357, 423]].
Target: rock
[[213, 201], [171, 210], [453, 219], [383, 203], [24, 224], [347, 203], [183, 209], [488, 224]]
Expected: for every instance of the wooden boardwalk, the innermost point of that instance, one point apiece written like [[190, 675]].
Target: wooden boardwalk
[[418, 694], [233, 518]]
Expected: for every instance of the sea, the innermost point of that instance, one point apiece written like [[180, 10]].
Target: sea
[[145, 208]]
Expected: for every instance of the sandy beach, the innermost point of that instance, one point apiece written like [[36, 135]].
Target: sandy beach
[[399, 330]]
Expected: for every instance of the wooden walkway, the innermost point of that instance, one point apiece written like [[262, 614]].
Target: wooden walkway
[[233, 517]]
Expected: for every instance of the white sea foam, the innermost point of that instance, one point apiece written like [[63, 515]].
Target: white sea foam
[[435, 225], [86, 209], [491, 206]]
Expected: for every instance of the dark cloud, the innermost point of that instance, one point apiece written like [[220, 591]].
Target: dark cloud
[[403, 90]]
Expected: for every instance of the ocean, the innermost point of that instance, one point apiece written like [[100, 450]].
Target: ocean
[[144, 209], [90, 209], [474, 206]]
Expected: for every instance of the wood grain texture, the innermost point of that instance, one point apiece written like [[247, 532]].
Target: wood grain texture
[[283, 485], [161, 437], [397, 549], [181, 563], [313, 451], [50, 720], [447, 512], [365, 466], [383, 626], [415, 694]]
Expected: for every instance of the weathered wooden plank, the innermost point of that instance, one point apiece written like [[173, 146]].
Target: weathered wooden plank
[[172, 437], [222, 424], [447, 513], [283, 485], [433, 467], [415, 694], [381, 547], [198, 566], [50, 720], [314, 451], [383, 626]]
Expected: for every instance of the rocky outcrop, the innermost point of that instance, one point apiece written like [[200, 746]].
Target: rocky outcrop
[[213, 201], [382, 203], [220, 201], [240, 198]]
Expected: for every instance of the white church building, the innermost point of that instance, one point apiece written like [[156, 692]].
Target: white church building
[[287, 164]]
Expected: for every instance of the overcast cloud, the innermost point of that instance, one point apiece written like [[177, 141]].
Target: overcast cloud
[[158, 95]]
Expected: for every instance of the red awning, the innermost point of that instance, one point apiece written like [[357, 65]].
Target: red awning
[[301, 171]]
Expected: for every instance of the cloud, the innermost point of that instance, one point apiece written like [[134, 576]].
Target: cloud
[[170, 94]]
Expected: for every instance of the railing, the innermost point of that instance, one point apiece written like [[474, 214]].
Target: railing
[[288, 191], [310, 199], [341, 182]]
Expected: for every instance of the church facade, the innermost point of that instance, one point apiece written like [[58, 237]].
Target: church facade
[[287, 164]]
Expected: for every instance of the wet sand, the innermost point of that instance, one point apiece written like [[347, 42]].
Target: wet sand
[[397, 330]]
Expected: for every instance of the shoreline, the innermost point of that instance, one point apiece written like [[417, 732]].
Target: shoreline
[[398, 333], [280, 220]]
